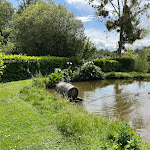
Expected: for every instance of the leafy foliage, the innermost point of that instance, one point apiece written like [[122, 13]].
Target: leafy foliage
[[20, 67], [103, 54], [47, 29], [6, 13], [124, 17], [142, 62], [23, 4], [54, 79], [107, 65], [58, 76], [127, 138], [88, 71], [126, 64], [1, 62], [89, 50]]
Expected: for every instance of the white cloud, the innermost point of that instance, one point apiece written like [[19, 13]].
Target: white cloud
[[109, 40], [76, 1], [103, 39], [86, 18], [81, 5], [141, 43]]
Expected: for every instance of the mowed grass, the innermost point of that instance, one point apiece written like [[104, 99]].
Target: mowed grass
[[11, 89], [21, 124], [33, 119]]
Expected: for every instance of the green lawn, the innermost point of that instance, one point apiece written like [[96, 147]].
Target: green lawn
[[21, 124], [33, 119]]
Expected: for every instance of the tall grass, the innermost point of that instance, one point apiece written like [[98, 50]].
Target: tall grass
[[87, 131], [35, 119]]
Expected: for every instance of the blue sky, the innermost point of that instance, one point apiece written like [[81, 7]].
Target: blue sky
[[95, 29]]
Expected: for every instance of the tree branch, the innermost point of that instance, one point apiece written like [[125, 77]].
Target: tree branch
[[113, 6], [119, 7]]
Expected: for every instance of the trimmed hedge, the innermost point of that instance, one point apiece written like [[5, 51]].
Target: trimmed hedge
[[125, 64], [19, 67], [1, 63], [107, 65]]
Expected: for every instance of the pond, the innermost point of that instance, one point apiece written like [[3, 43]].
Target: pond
[[128, 100]]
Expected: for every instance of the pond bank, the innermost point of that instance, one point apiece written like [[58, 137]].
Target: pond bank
[[59, 124], [127, 75], [127, 100]]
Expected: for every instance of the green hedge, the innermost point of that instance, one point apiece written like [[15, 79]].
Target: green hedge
[[117, 64], [107, 65], [19, 67], [125, 64], [1, 62]]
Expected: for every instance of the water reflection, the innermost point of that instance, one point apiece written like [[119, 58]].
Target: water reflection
[[127, 99]]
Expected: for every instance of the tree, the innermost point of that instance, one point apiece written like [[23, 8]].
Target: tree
[[103, 53], [124, 17], [24, 4], [89, 49], [47, 29], [6, 12], [142, 62]]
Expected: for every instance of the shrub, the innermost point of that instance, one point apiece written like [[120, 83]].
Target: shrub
[[54, 79], [19, 67], [107, 65], [127, 138], [142, 62], [39, 82], [1, 62], [125, 64], [88, 72], [54, 31]]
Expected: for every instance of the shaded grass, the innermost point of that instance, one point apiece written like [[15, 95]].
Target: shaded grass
[[34, 119]]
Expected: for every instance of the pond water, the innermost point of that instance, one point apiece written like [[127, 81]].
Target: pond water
[[127, 99]]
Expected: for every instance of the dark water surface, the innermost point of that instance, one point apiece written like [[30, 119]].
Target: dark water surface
[[127, 99]]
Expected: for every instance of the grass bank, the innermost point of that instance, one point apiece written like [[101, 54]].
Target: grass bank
[[31, 118], [127, 75]]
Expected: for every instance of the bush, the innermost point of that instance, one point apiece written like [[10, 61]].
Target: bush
[[127, 138], [54, 79], [19, 67], [1, 62], [142, 62], [107, 65], [88, 72], [125, 64], [47, 29]]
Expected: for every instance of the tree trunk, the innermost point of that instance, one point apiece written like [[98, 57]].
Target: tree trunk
[[1, 33], [120, 42], [121, 30]]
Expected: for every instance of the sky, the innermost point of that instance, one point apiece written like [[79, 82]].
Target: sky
[[94, 29]]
